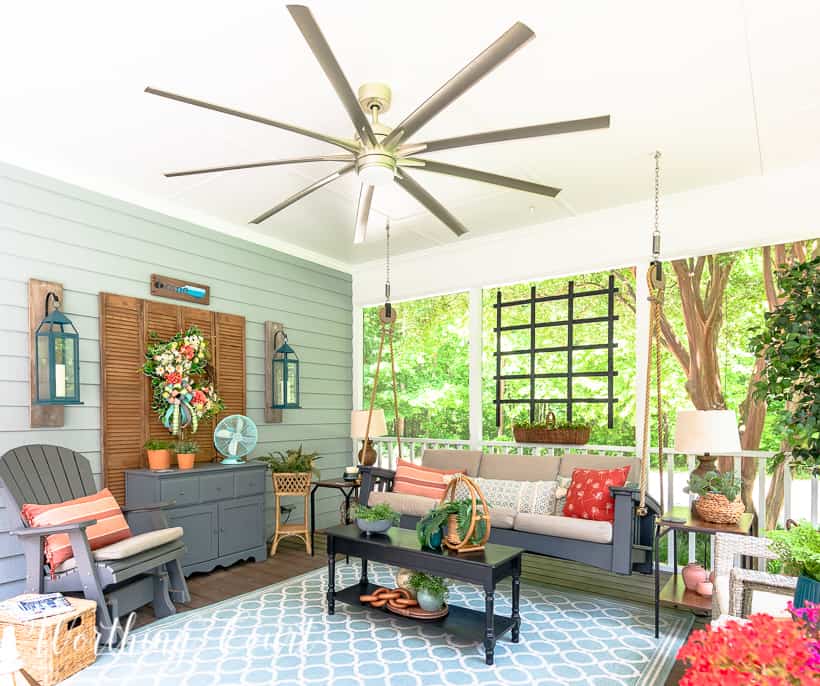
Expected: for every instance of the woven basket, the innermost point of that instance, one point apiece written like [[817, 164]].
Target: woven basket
[[557, 436], [291, 483], [54, 648], [718, 509]]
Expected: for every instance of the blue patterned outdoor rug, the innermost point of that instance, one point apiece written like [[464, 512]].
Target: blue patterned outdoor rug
[[281, 634]]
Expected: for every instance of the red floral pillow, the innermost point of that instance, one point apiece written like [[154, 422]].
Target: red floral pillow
[[588, 496]]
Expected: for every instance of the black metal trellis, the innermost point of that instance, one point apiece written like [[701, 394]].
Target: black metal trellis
[[571, 372]]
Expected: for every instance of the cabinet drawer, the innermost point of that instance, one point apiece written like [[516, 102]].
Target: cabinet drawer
[[250, 482], [215, 487], [181, 490]]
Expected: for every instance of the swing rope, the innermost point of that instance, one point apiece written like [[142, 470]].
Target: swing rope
[[655, 283], [387, 318]]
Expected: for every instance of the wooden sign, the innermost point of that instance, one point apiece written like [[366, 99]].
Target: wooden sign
[[41, 415], [177, 289]]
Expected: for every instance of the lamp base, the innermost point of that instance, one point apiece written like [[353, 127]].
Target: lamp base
[[367, 454], [706, 463]]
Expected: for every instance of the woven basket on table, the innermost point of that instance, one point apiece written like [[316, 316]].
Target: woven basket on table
[[291, 483], [545, 435], [718, 509]]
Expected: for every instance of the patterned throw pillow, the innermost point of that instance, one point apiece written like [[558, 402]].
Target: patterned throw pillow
[[589, 497], [563, 484], [110, 527], [414, 479], [534, 497]]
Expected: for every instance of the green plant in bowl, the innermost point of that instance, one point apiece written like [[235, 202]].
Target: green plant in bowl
[[717, 483], [431, 591], [377, 519]]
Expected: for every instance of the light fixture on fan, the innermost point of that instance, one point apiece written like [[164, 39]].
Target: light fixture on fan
[[380, 154]]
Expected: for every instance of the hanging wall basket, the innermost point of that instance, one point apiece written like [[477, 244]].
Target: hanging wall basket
[[467, 541]]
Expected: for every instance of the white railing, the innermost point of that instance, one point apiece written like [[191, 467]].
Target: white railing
[[800, 496]]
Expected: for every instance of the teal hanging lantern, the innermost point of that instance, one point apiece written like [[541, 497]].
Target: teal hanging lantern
[[57, 353], [285, 377]]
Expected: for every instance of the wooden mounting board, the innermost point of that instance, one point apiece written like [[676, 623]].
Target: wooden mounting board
[[166, 287], [41, 415], [271, 330]]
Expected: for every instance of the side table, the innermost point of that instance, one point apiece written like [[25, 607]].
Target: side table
[[346, 488], [674, 593]]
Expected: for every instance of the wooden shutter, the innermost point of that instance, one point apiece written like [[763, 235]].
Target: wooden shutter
[[229, 361], [126, 328], [122, 392]]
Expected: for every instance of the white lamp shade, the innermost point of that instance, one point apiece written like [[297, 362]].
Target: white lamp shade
[[707, 431], [358, 423]]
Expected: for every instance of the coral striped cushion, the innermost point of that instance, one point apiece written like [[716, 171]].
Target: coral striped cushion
[[110, 527], [414, 479]]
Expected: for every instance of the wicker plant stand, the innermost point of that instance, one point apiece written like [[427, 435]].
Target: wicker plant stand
[[291, 484], [54, 648]]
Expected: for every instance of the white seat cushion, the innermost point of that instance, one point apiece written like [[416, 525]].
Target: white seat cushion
[[502, 517], [403, 503], [564, 527], [130, 546]]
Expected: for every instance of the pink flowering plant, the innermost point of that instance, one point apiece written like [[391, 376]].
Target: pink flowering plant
[[762, 651], [182, 394]]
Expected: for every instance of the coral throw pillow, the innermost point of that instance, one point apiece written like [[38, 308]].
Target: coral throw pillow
[[414, 479], [588, 496], [110, 527]]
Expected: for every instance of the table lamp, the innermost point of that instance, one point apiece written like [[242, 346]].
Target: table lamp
[[708, 434], [358, 426]]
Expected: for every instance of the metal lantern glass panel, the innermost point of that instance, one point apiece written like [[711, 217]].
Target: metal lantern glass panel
[[285, 378], [57, 351]]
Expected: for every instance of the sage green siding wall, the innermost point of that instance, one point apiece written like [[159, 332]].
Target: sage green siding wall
[[90, 243]]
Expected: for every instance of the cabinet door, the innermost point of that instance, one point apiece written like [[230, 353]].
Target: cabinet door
[[201, 531], [241, 525]]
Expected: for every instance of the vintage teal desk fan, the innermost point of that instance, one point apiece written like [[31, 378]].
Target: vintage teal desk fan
[[235, 437]]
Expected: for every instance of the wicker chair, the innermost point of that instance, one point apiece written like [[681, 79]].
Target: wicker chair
[[734, 585]]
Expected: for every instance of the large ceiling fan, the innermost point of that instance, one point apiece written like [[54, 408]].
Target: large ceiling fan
[[379, 154]]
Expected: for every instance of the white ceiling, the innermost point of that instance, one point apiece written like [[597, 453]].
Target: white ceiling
[[724, 89]]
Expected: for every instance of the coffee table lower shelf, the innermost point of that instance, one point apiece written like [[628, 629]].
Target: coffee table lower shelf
[[459, 621]]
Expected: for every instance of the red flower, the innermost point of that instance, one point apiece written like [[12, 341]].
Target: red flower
[[199, 398], [763, 651], [173, 377], [188, 351]]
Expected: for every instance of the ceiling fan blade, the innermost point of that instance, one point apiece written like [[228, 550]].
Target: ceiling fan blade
[[482, 65], [486, 177], [512, 134], [269, 163], [350, 146], [433, 205], [362, 213], [321, 49], [315, 186]]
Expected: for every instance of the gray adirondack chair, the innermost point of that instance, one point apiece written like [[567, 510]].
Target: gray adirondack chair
[[47, 474]]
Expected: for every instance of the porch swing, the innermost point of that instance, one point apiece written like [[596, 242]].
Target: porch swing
[[630, 544]]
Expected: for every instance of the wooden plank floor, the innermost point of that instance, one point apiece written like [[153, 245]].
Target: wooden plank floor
[[292, 560]]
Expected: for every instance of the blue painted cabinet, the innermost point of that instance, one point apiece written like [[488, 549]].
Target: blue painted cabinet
[[220, 507]]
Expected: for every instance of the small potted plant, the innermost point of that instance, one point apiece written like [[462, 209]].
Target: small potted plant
[[159, 454], [186, 453], [718, 497], [377, 519], [431, 591], [435, 525], [799, 548], [291, 469]]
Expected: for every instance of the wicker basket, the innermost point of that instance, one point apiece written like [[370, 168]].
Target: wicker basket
[[54, 648], [557, 436], [291, 483], [718, 509]]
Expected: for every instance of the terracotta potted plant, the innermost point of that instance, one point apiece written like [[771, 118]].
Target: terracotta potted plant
[[186, 453], [159, 454]]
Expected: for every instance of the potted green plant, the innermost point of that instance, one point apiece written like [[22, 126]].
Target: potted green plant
[[376, 519], [186, 451], [431, 591], [799, 548], [291, 470], [431, 527], [718, 497], [159, 454]]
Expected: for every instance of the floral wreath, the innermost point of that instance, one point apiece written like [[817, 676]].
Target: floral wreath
[[182, 393]]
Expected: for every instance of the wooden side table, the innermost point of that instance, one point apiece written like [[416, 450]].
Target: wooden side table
[[674, 593], [346, 488]]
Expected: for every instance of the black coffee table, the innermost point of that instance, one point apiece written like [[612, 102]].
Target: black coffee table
[[401, 547]]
